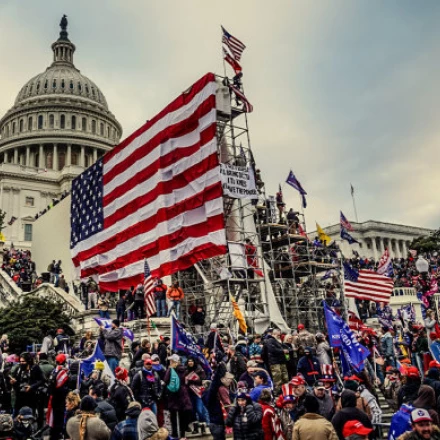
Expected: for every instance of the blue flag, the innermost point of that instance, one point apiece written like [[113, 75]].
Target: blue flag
[[184, 342], [87, 365], [294, 183], [341, 336], [346, 236], [107, 323]]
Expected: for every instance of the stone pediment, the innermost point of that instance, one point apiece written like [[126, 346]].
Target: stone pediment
[[28, 218]]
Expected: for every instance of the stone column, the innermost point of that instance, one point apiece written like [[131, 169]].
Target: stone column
[[55, 157], [16, 155], [82, 159], [69, 155], [28, 156], [41, 156], [5, 157], [374, 247], [95, 155]]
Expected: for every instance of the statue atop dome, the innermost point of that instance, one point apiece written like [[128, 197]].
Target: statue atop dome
[[63, 26], [64, 23]]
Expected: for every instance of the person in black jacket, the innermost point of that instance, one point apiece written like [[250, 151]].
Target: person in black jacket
[[146, 386], [213, 404], [26, 381], [237, 363], [106, 411], [120, 393], [246, 417], [433, 380], [163, 350], [274, 355], [349, 412]]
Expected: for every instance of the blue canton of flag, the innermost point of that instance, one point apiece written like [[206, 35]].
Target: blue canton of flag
[[87, 214], [294, 183], [346, 236], [350, 274]]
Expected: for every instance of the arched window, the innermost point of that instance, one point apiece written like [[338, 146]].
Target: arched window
[[7, 131], [63, 121], [38, 86], [46, 85], [79, 86], [54, 84], [30, 122], [71, 85], [87, 88], [84, 124], [73, 123], [62, 84], [40, 122], [51, 121], [101, 129], [21, 125], [13, 128], [93, 126], [108, 131]]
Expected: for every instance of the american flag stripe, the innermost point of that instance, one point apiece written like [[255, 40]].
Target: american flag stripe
[[162, 196], [247, 106], [234, 44], [150, 303], [369, 286]]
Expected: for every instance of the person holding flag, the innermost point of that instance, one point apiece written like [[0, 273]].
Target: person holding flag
[[113, 344]]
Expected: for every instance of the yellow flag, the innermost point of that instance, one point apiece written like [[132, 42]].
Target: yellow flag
[[322, 235], [2, 237], [240, 318]]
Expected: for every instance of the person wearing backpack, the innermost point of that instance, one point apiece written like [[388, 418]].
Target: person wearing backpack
[[178, 397], [120, 393], [146, 386]]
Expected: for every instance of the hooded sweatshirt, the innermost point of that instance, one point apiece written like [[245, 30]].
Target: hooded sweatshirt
[[349, 412], [426, 400]]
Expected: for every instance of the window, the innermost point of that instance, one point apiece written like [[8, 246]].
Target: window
[[29, 201], [73, 123], [62, 84], [13, 128], [87, 161], [63, 121], [30, 122], [27, 232], [71, 85], [46, 85], [94, 127], [74, 159], [84, 124], [21, 125], [54, 84], [79, 86], [51, 121], [101, 129], [40, 122], [108, 131]]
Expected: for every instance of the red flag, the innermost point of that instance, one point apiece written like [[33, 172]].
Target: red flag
[[232, 62]]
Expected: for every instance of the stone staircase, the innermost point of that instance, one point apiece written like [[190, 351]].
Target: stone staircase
[[386, 416]]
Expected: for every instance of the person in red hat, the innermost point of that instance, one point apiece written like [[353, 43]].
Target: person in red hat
[[147, 387], [408, 392], [304, 338], [120, 393], [355, 430], [432, 378]]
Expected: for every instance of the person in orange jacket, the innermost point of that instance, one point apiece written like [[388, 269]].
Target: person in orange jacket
[[175, 295]]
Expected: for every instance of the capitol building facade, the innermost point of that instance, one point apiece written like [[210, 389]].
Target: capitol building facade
[[59, 125]]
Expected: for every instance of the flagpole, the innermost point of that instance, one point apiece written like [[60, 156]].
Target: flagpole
[[354, 203], [223, 57]]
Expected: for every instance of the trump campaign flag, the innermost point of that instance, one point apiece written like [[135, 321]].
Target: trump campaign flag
[[294, 183], [182, 341], [156, 196], [342, 337]]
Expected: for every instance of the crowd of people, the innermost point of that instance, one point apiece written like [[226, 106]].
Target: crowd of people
[[269, 386]]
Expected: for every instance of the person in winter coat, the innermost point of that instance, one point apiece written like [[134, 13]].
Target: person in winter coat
[[304, 338], [144, 348], [246, 417], [322, 350], [287, 415], [147, 424], [410, 389], [325, 400], [312, 426], [309, 367], [175, 296], [274, 356], [261, 383], [139, 302], [387, 347], [120, 393], [104, 409], [113, 344], [271, 423], [198, 320], [87, 425], [72, 408], [177, 397], [349, 412], [426, 400], [58, 390], [400, 422], [422, 427], [194, 376], [237, 362], [160, 291], [127, 429], [432, 379], [213, 404], [147, 387]]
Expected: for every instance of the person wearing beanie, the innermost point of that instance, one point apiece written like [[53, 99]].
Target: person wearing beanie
[[113, 344], [147, 424], [312, 426], [87, 425], [104, 409], [127, 429], [246, 417], [120, 393], [348, 412], [271, 423]]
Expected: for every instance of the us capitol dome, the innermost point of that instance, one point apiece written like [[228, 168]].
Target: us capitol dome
[[59, 125]]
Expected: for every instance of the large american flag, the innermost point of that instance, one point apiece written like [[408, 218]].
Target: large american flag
[[234, 44], [149, 281], [367, 285], [156, 196]]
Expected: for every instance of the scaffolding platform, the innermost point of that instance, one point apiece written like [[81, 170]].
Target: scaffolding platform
[[284, 240]]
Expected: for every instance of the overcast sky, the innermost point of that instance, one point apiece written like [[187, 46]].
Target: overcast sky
[[343, 91]]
